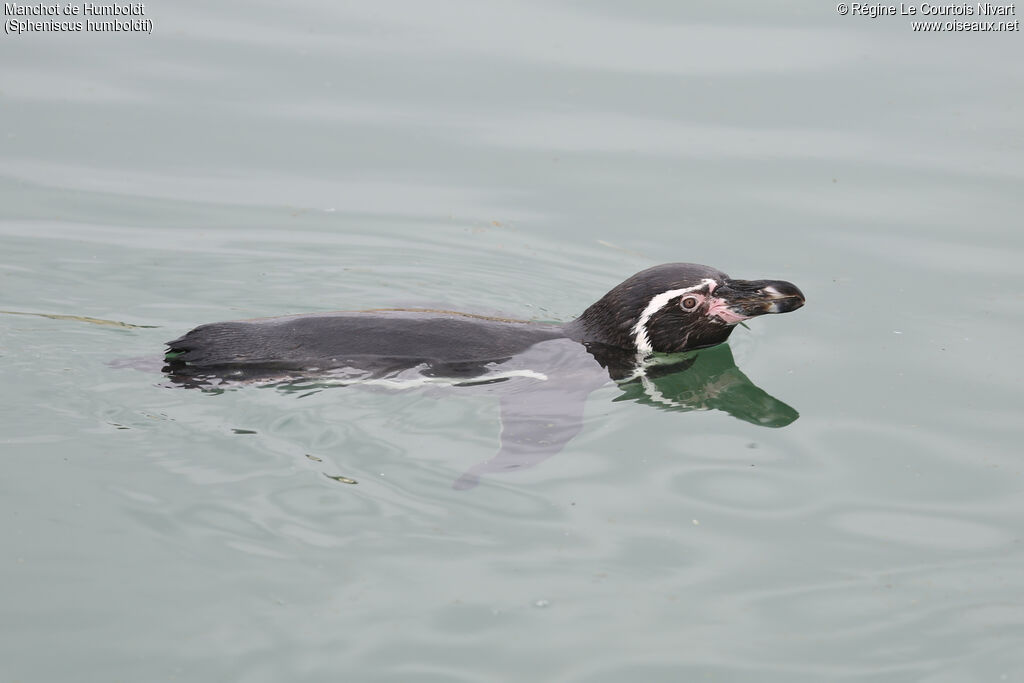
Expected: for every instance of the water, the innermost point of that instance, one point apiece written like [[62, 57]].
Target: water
[[520, 158]]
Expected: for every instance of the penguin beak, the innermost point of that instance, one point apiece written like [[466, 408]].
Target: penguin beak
[[737, 300]]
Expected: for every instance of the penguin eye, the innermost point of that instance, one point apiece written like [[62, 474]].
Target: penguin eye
[[689, 303]]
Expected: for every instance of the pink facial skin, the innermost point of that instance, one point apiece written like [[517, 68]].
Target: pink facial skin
[[718, 307]]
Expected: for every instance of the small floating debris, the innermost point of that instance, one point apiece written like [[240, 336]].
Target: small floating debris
[[83, 319], [616, 247], [341, 479]]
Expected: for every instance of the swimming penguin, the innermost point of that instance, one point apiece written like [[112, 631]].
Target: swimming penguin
[[546, 370]]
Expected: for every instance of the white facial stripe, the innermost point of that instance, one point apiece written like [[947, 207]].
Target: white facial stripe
[[640, 338]]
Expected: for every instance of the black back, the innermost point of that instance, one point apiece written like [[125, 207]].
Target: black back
[[379, 341]]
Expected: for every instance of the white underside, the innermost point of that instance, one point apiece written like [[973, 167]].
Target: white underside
[[407, 379]]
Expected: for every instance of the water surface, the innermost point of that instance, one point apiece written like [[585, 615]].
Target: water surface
[[520, 158]]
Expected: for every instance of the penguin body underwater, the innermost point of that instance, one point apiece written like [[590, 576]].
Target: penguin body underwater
[[546, 370]]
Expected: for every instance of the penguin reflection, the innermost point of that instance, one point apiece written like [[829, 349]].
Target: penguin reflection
[[538, 421]]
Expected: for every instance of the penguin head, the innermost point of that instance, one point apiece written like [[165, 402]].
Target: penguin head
[[680, 306]]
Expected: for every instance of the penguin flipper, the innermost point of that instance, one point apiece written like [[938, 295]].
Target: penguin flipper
[[535, 424]]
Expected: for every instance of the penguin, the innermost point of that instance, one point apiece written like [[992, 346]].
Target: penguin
[[546, 370]]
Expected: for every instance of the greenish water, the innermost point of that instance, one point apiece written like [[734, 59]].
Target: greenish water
[[251, 160]]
